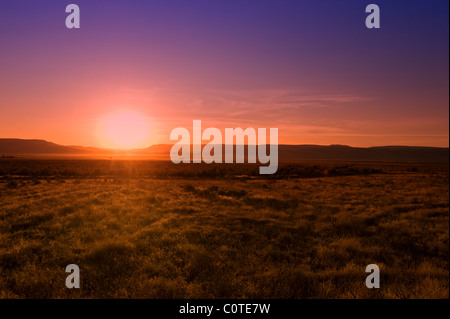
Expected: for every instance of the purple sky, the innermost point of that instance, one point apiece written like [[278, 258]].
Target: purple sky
[[310, 68]]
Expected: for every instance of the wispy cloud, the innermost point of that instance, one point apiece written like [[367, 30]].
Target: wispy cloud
[[245, 105]]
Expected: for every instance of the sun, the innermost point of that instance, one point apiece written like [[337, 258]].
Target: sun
[[125, 130]]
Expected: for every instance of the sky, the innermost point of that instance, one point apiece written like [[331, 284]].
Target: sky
[[309, 68]]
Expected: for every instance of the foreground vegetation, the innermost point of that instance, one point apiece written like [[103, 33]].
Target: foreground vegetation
[[158, 230]]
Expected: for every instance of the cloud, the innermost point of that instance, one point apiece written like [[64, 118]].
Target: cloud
[[250, 106]]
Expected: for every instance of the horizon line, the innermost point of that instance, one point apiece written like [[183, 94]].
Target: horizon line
[[191, 144]]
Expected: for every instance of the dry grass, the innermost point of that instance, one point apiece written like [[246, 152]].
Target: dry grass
[[137, 235]]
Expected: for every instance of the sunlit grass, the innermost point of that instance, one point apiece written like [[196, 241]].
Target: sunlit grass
[[141, 237]]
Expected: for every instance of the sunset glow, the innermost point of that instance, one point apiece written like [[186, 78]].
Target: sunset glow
[[309, 68], [224, 158], [125, 130]]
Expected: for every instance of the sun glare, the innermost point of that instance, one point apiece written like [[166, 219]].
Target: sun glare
[[125, 130]]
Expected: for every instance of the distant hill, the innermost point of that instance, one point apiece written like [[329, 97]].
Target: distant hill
[[13, 146], [416, 154], [382, 153]]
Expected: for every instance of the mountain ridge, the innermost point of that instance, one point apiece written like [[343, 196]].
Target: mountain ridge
[[287, 152]]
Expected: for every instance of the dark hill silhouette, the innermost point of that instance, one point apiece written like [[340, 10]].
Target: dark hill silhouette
[[380, 153], [13, 146], [417, 154]]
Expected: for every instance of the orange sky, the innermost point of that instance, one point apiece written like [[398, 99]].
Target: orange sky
[[314, 72]]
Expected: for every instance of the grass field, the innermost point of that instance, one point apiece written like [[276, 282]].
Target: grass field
[[142, 229]]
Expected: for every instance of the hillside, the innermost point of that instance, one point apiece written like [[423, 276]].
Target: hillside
[[22, 147]]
